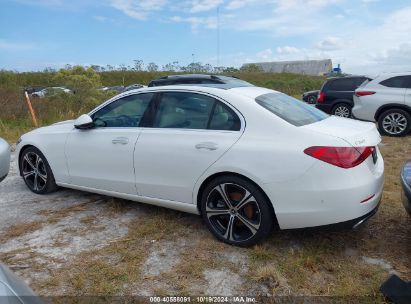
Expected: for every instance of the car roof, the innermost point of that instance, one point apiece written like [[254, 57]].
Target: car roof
[[347, 77], [198, 76], [250, 91]]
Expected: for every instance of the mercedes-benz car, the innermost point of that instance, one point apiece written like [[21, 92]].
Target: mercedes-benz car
[[4, 159], [248, 159]]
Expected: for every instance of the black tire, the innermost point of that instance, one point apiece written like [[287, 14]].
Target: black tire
[[311, 99], [36, 171], [342, 110], [251, 223], [400, 122]]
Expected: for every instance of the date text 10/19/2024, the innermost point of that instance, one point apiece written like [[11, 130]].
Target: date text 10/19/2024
[[203, 299]]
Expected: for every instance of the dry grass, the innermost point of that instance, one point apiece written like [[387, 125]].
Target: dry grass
[[53, 216], [18, 230]]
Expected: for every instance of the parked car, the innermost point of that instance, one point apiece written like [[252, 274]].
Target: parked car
[[212, 151], [32, 89], [4, 159], [51, 91], [202, 79], [15, 290], [117, 89], [311, 96], [406, 186], [133, 87], [336, 95], [386, 100]]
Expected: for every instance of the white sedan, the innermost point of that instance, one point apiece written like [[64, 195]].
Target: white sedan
[[4, 159], [247, 159]]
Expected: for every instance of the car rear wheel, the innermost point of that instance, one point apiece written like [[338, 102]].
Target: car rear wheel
[[36, 171], [394, 122], [236, 211], [311, 99], [342, 110]]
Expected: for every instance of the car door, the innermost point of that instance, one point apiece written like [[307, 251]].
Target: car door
[[102, 157], [188, 133]]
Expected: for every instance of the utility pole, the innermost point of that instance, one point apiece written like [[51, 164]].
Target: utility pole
[[218, 36]]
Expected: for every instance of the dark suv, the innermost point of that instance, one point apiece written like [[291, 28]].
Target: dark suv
[[201, 79], [336, 95]]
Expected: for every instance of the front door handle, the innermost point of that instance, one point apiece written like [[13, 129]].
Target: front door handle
[[207, 145], [120, 140]]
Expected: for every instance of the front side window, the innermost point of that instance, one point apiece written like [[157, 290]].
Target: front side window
[[183, 110], [125, 112], [397, 82], [292, 110]]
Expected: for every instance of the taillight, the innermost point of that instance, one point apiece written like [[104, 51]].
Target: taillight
[[364, 93], [344, 157], [321, 97]]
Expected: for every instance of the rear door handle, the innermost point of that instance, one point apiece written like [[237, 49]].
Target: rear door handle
[[207, 145], [120, 140]]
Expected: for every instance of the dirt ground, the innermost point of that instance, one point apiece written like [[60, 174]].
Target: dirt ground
[[75, 243]]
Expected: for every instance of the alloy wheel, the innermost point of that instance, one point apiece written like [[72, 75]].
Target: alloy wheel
[[233, 212], [342, 111], [394, 123], [34, 171]]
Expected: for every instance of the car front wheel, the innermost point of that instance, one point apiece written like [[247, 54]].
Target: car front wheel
[[394, 122], [36, 171], [236, 211]]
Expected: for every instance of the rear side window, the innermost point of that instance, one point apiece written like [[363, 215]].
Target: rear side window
[[292, 110], [224, 119], [185, 110], [343, 84], [397, 82]]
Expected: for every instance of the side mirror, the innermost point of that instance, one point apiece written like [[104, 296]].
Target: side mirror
[[84, 122]]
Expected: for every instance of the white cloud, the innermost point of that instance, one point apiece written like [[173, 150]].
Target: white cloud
[[197, 6], [100, 18], [196, 22], [138, 9], [331, 44], [265, 54], [15, 46], [237, 4], [287, 50]]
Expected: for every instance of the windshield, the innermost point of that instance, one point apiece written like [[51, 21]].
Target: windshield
[[292, 110]]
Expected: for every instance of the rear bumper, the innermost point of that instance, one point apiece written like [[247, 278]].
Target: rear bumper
[[351, 224], [327, 195], [327, 108]]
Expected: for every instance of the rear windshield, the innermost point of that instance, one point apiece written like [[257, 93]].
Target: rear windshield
[[292, 110]]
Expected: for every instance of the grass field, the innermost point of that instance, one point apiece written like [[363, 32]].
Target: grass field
[[15, 119]]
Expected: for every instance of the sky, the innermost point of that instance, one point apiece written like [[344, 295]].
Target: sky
[[364, 36]]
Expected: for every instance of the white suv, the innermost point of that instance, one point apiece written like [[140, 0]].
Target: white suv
[[386, 100]]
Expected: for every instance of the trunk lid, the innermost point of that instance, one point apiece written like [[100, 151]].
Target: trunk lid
[[356, 133]]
